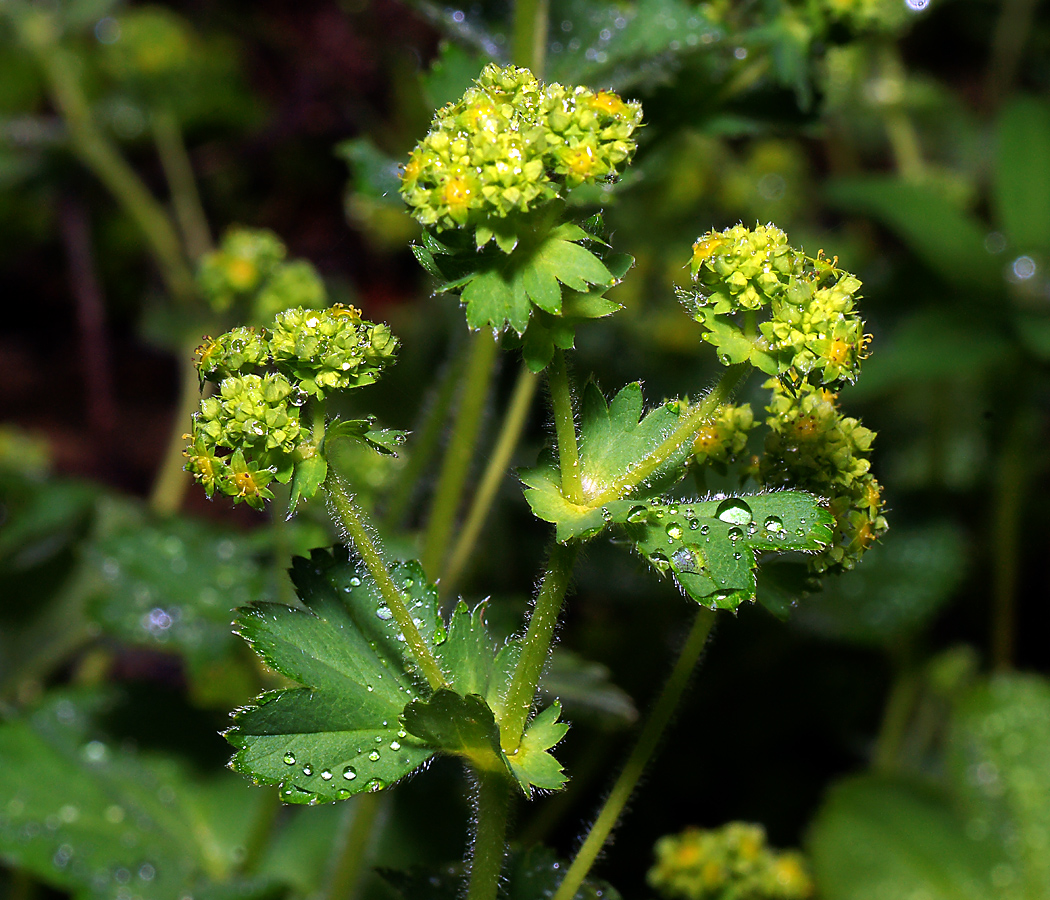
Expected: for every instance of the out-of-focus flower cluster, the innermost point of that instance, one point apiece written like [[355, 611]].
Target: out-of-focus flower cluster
[[812, 326], [729, 863], [249, 269], [811, 445], [512, 143], [249, 432], [720, 440]]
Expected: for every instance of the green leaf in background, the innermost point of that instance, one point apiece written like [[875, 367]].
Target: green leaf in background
[[614, 438], [877, 838], [1022, 173], [531, 764], [712, 547], [927, 347], [173, 585], [339, 734], [901, 584], [944, 237], [97, 819], [452, 72], [619, 45], [461, 726], [999, 761], [584, 689]]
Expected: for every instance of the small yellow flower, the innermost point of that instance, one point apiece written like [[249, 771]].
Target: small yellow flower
[[241, 273], [456, 194], [609, 103]]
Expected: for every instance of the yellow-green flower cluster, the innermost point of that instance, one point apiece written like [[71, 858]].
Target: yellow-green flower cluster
[[254, 417], [250, 432], [811, 445], [249, 268], [729, 863], [816, 324], [512, 143], [331, 349], [725, 436], [743, 269], [812, 327]]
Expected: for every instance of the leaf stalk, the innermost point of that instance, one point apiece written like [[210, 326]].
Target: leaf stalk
[[350, 516]]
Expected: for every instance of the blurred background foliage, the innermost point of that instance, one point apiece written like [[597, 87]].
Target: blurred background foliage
[[896, 726]]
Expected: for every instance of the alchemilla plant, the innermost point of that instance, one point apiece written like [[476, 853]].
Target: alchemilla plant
[[385, 668]]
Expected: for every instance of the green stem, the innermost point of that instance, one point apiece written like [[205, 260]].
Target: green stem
[[530, 34], [536, 646], [686, 431], [169, 486], [1012, 31], [347, 514], [565, 429], [643, 750], [261, 831], [99, 154], [424, 447], [354, 851], [477, 377], [1013, 475], [900, 705], [510, 432], [189, 212], [490, 835]]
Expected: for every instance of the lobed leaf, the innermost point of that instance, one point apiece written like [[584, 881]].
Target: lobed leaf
[[364, 717], [614, 438], [531, 764], [712, 547], [340, 734]]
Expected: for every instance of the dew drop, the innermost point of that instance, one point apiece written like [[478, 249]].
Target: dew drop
[[349, 773], [395, 746], [705, 529], [774, 524], [685, 560], [308, 770], [374, 756], [735, 534], [735, 511], [674, 531], [384, 613], [355, 581], [326, 775], [637, 514], [289, 758], [376, 784]]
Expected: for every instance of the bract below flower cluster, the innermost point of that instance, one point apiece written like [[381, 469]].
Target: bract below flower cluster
[[250, 432], [732, 861], [512, 143], [812, 326], [811, 445]]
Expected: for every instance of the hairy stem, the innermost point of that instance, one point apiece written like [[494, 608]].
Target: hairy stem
[[536, 646], [490, 835], [171, 481], [193, 223], [509, 434], [477, 378], [99, 154], [351, 518], [565, 428], [687, 430], [354, 848], [651, 733]]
